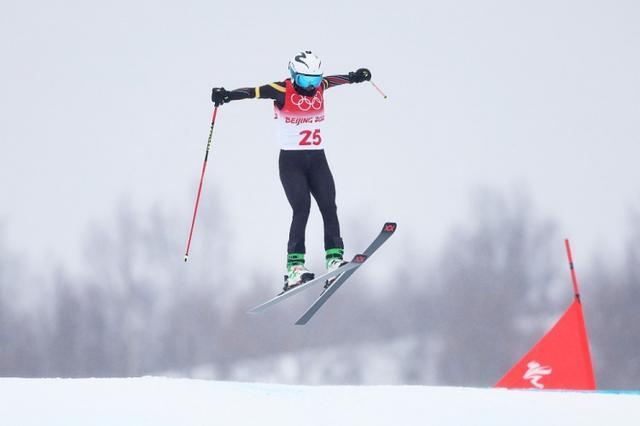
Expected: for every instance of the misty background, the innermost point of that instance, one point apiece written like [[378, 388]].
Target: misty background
[[508, 127]]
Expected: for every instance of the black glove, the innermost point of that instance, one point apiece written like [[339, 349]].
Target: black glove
[[359, 76], [220, 96]]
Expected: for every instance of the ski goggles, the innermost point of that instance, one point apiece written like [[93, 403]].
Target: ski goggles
[[307, 81]]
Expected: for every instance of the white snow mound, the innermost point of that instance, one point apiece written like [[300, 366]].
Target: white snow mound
[[162, 401]]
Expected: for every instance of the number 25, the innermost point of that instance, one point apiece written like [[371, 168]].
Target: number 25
[[309, 138]]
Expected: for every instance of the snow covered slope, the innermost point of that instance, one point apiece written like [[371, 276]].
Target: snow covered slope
[[162, 401]]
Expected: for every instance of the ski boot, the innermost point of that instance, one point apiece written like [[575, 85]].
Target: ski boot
[[334, 260], [296, 275]]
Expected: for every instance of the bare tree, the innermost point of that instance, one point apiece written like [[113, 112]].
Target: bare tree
[[494, 276], [612, 316], [15, 337]]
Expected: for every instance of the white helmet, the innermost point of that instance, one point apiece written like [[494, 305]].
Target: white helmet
[[306, 70]]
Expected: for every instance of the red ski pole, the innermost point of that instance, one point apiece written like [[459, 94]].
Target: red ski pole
[[574, 280], [204, 167], [378, 89]]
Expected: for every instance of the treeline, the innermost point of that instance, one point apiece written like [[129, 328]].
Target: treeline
[[495, 287]]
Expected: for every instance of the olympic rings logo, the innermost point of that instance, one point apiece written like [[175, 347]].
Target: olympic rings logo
[[305, 103]]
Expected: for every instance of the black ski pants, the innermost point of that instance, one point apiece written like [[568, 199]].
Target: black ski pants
[[305, 173]]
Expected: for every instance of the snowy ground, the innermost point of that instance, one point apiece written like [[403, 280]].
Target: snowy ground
[[162, 401]]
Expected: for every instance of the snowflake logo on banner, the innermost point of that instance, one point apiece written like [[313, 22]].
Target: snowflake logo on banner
[[536, 372]]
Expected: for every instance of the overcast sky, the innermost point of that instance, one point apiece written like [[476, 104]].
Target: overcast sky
[[104, 101]]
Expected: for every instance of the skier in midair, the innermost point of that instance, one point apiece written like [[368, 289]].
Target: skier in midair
[[304, 171]]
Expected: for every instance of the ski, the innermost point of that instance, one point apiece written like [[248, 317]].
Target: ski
[[387, 230], [357, 261]]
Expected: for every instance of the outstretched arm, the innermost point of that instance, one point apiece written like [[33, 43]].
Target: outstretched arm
[[335, 80], [358, 76], [273, 91]]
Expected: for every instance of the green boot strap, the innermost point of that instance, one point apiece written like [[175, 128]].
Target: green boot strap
[[333, 253], [294, 259]]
